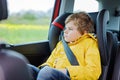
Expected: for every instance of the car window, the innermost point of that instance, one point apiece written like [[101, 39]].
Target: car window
[[86, 5], [28, 21]]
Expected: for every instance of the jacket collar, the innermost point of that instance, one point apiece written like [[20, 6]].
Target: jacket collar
[[87, 35]]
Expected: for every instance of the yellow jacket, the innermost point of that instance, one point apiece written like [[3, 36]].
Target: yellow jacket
[[86, 51]]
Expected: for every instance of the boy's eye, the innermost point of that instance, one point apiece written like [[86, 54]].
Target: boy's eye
[[70, 28]]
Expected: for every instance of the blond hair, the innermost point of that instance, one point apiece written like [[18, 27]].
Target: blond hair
[[82, 20]]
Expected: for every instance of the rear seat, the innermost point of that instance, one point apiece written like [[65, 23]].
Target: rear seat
[[112, 40], [116, 69]]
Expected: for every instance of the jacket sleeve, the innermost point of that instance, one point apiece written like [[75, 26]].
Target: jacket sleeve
[[92, 68], [51, 59]]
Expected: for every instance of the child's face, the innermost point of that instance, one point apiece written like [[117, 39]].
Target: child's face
[[71, 32]]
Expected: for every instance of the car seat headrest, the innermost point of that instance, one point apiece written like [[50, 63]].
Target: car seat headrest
[[55, 30], [60, 20]]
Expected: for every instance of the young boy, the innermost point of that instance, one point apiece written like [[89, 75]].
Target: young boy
[[78, 34]]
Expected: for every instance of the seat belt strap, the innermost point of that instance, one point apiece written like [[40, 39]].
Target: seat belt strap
[[71, 57]]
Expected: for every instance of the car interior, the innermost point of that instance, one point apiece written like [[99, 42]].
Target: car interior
[[107, 30]]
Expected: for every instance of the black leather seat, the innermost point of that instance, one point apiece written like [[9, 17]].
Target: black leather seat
[[107, 42], [101, 24], [13, 65], [116, 69], [112, 41]]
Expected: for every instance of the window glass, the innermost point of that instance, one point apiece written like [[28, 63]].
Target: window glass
[[86, 5], [28, 21]]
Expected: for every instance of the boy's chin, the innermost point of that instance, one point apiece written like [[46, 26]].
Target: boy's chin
[[67, 41]]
